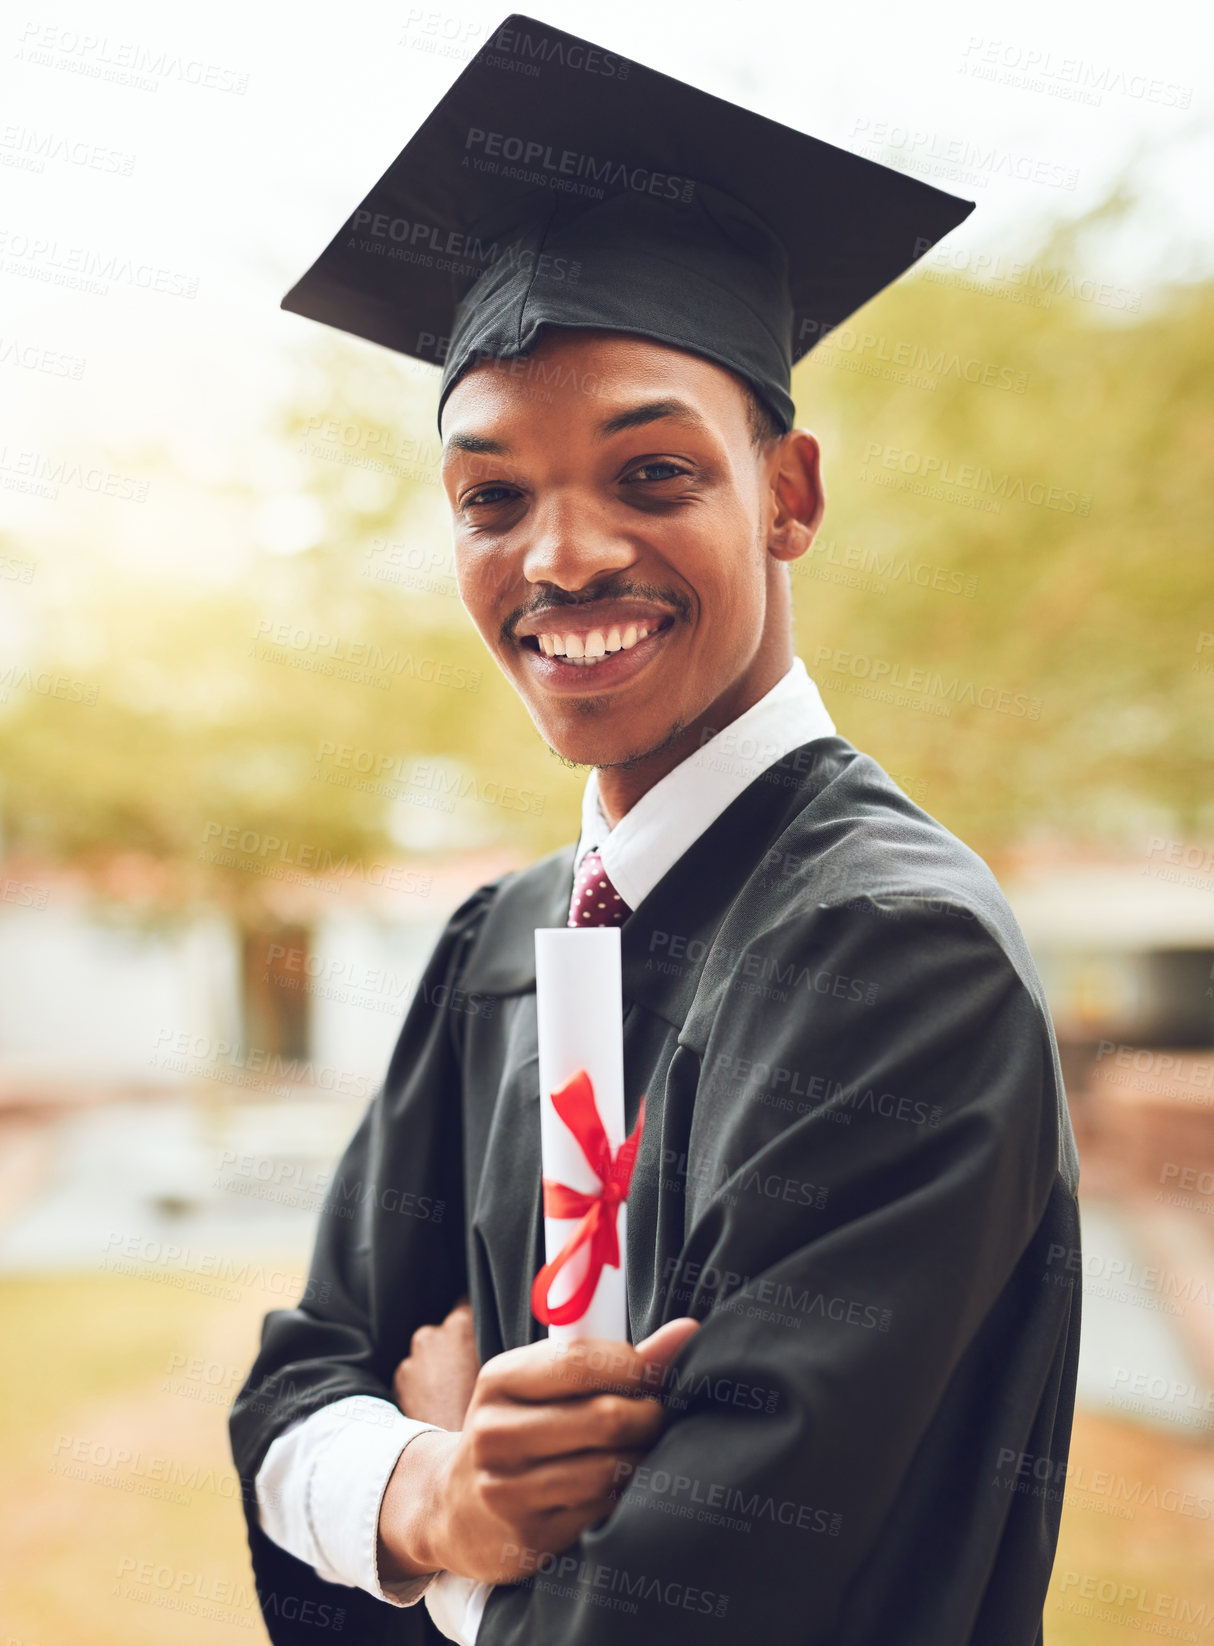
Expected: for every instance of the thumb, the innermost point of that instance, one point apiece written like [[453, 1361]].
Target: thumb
[[666, 1342]]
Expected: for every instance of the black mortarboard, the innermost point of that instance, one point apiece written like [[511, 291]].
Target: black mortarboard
[[558, 184]]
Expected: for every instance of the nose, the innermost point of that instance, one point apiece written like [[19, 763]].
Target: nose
[[573, 543]]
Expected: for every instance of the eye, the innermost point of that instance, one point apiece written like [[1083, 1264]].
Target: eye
[[486, 495], [646, 475]]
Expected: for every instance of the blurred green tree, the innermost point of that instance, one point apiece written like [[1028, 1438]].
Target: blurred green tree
[[1006, 606]]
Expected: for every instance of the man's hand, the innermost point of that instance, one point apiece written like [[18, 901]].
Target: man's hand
[[551, 1433], [434, 1382]]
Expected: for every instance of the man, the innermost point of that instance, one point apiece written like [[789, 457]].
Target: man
[[852, 1342]]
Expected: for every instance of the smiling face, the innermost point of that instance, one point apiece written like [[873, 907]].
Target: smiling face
[[620, 540]]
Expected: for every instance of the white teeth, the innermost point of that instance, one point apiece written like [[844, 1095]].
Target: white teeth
[[588, 651]]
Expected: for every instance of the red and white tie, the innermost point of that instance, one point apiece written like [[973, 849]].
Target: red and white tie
[[595, 901]]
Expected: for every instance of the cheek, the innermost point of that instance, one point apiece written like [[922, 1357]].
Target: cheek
[[480, 579], [729, 581]]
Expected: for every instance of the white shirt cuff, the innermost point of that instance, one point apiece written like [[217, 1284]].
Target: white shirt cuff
[[455, 1605], [320, 1487]]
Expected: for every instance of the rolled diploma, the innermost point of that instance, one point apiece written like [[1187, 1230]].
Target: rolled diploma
[[580, 1016]]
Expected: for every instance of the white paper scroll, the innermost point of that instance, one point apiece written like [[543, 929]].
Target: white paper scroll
[[581, 1026]]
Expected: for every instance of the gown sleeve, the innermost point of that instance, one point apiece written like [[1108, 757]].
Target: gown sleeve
[[864, 1258], [389, 1256]]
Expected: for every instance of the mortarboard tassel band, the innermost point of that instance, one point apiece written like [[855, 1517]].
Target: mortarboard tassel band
[[575, 1104]]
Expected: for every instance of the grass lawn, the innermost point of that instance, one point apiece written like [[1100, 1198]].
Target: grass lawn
[[113, 1426]]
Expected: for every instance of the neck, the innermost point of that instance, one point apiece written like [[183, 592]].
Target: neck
[[620, 787]]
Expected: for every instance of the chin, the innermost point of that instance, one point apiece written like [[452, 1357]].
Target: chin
[[587, 744]]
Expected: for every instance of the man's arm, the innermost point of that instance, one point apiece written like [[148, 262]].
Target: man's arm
[[388, 1258], [844, 1262], [321, 1486]]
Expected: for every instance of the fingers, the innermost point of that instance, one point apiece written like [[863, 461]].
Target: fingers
[[553, 1370], [586, 1486], [510, 1437]]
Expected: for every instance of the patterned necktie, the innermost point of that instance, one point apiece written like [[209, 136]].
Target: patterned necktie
[[595, 901]]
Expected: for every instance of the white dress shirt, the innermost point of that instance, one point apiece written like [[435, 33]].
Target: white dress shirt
[[322, 1481]]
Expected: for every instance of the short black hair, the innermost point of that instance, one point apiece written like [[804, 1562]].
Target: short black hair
[[762, 422]]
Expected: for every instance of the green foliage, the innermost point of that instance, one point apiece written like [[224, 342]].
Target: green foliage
[[1094, 611], [1025, 557]]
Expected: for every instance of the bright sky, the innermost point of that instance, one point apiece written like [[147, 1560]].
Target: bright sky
[[251, 129]]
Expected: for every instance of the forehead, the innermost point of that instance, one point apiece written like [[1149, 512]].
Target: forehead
[[588, 375]]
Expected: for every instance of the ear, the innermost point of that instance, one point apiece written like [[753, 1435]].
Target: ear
[[798, 494]]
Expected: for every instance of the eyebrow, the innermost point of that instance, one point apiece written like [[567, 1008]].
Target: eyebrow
[[636, 417], [476, 444], [652, 411]]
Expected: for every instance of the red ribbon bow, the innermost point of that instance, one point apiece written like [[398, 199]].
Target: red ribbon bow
[[576, 1106]]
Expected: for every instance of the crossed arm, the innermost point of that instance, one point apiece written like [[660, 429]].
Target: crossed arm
[[531, 1449]]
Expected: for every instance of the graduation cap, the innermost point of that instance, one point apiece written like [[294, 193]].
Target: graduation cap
[[559, 184]]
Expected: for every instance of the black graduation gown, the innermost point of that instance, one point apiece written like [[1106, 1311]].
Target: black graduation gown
[[857, 1170]]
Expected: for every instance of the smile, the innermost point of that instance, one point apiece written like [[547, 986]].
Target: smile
[[587, 648], [563, 659]]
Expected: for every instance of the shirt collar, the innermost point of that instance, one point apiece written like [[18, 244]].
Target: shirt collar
[[650, 838]]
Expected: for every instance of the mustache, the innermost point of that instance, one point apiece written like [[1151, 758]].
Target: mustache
[[558, 598]]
